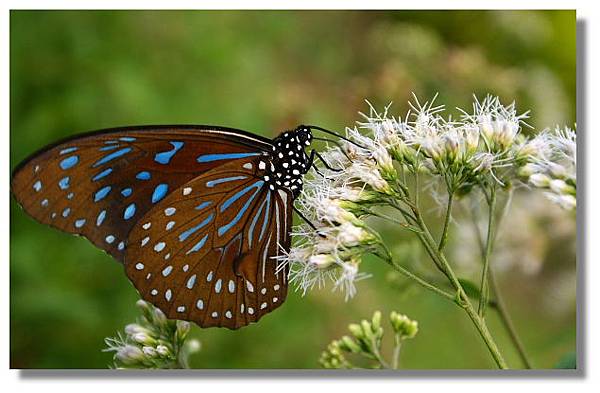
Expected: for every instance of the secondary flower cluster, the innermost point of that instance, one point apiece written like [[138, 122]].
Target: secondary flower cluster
[[554, 167], [153, 342], [486, 147], [365, 340]]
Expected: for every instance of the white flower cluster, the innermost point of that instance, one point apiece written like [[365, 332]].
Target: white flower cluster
[[554, 167], [485, 148], [153, 342]]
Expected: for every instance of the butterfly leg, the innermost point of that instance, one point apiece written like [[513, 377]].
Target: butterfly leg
[[318, 171], [314, 154], [310, 224]]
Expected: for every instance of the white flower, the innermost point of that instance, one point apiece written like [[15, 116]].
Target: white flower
[[560, 187], [567, 202], [539, 180], [351, 235], [471, 135], [498, 124], [130, 354], [345, 281], [152, 342]]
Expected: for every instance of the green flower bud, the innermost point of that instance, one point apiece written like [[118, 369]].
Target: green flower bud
[[367, 329], [376, 321], [159, 318], [183, 328], [349, 345], [163, 351], [403, 326], [356, 330], [144, 339]]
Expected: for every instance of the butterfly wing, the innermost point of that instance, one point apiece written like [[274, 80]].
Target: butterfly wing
[[206, 253], [98, 185]]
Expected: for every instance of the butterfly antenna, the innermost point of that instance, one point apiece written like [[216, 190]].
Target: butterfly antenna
[[336, 134], [316, 138]]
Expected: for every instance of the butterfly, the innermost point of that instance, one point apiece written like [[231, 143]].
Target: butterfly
[[198, 215]]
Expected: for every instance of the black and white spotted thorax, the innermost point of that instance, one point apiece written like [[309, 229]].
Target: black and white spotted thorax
[[288, 162]]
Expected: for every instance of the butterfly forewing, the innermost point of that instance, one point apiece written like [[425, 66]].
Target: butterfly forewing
[[99, 185], [207, 252]]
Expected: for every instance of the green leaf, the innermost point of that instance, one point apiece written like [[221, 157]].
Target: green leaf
[[567, 361]]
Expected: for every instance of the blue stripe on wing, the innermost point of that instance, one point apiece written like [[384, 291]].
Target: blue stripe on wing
[[184, 235], [212, 183], [258, 185], [224, 156], [255, 219]]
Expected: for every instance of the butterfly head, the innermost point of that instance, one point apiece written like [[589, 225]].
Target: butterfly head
[[289, 161], [303, 135]]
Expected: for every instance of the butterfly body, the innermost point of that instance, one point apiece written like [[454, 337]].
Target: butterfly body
[[197, 214]]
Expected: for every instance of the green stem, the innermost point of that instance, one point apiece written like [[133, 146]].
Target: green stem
[[507, 321], [444, 237], [417, 279], [377, 355], [485, 290], [500, 305], [461, 297], [396, 356]]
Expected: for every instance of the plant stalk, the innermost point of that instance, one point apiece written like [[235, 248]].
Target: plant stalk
[[500, 306], [485, 290], [461, 297], [444, 237]]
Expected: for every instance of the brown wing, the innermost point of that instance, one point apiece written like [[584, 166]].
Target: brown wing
[[98, 185], [206, 253]]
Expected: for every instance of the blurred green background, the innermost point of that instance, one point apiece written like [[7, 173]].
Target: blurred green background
[[264, 72]]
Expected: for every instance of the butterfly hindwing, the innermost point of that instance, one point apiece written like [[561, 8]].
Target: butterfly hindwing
[[207, 252], [99, 185]]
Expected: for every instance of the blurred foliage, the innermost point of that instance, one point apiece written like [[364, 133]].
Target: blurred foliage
[[73, 71]]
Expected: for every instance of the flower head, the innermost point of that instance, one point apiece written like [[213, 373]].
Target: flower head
[[152, 342]]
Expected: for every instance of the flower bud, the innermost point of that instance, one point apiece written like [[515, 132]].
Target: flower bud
[[321, 261], [183, 328], [560, 187], [556, 170], [451, 145], [484, 161], [130, 355], [385, 164], [485, 126], [349, 345], [163, 351], [351, 235], [403, 326], [471, 139], [567, 202], [367, 329], [144, 339], [356, 330], [507, 130], [149, 351], [134, 328], [331, 210], [527, 170], [376, 321], [539, 180]]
